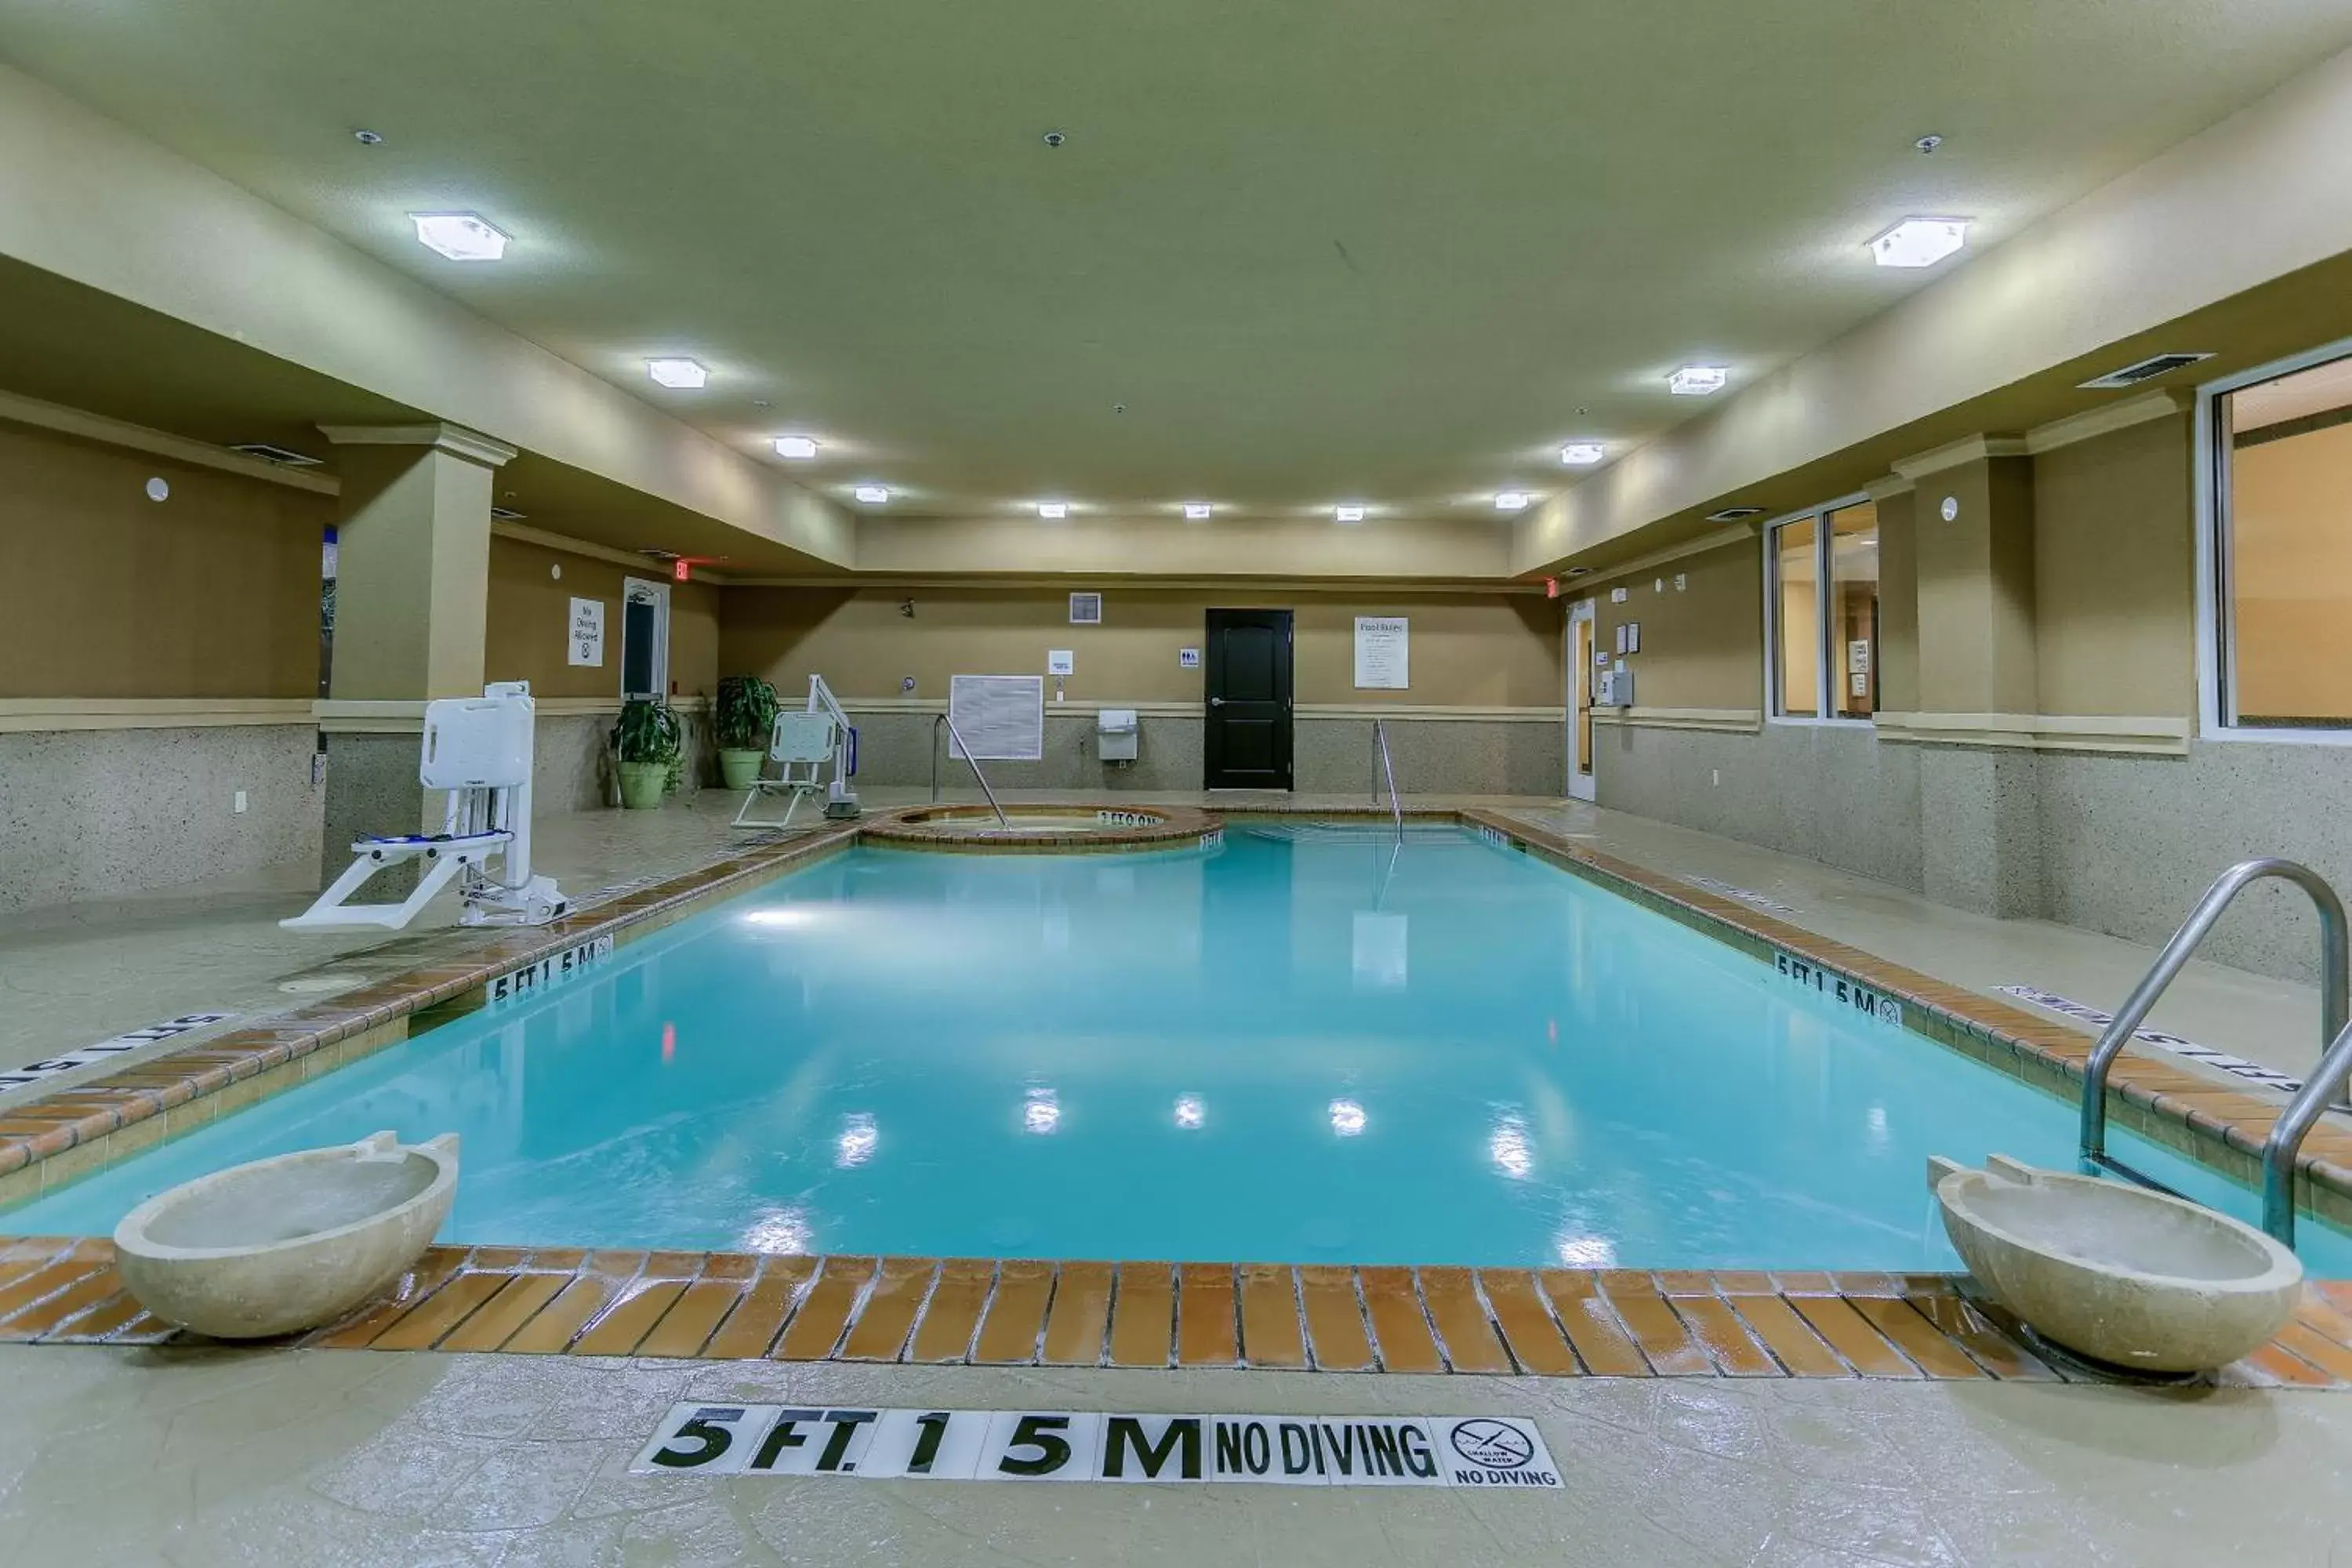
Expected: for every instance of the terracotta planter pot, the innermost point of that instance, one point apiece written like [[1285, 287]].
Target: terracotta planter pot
[[643, 784], [738, 769]]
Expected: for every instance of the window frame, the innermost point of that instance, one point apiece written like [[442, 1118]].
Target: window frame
[[2215, 601], [1824, 710]]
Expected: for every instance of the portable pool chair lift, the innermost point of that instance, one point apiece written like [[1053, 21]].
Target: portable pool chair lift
[[801, 744], [478, 750]]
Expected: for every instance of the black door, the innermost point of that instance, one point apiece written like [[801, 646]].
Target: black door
[[1247, 744]]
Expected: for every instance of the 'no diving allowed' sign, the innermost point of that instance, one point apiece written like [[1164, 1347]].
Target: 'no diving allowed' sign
[[1496, 1452]]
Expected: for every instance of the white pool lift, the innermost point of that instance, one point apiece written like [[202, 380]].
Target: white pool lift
[[478, 750], [800, 745]]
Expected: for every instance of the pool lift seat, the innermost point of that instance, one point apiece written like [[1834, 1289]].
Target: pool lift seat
[[802, 744], [477, 750]]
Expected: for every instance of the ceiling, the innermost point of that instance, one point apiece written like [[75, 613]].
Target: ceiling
[[1321, 251]]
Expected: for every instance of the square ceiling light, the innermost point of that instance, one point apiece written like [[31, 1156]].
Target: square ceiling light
[[1697, 380], [1197, 510], [1348, 513], [676, 372], [1920, 241], [1053, 510], [873, 495], [1510, 501], [798, 448], [460, 237], [1582, 454]]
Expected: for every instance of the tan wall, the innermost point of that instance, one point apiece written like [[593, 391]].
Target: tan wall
[[1702, 644], [212, 593], [531, 612], [1467, 649], [1898, 603], [2291, 523], [2114, 573]]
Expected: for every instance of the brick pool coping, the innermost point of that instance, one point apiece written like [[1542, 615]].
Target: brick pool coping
[[972, 829], [69, 1292]]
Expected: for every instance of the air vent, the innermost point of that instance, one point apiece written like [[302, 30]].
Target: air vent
[[1086, 609], [508, 514], [2146, 370], [1735, 514], [278, 454]]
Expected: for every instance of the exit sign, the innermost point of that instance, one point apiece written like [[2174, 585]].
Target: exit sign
[[681, 570]]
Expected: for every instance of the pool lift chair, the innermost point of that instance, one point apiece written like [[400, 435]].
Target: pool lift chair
[[479, 751], [800, 745]]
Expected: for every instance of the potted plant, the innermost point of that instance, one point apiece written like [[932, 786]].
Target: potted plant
[[745, 718], [646, 741]]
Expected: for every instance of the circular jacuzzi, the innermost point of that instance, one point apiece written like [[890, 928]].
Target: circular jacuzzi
[[1044, 828]]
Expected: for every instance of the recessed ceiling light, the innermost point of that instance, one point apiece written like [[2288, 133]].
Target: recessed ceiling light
[[798, 446], [460, 237], [1697, 380], [1197, 510], [1510, 501], [1920, 241], [1582, 454], [1348, 513], [676, 372], [1053, 510], [873, 495]]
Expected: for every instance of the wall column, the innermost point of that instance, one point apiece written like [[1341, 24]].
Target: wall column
[[1980, 807], [412, 596]]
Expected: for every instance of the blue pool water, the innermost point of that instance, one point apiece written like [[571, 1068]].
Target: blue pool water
[[1297, 1048]]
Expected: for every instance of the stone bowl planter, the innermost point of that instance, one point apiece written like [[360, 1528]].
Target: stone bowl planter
[[2118, 1274], [286, 1244]]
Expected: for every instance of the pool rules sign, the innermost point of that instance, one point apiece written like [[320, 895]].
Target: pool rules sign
[[1493, 1453]]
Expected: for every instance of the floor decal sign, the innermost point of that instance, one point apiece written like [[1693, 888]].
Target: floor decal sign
[[32, 1072], [2099, 1018], [1487, 1453]]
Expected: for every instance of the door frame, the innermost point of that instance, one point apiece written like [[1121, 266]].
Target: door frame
[[1212, 661], [1581, 778], [645, 590]]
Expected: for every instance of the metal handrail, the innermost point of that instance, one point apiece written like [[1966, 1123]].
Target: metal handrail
[[2335, 986], [973, 763], [937, 719], [2326, 1083], [1388, 768]]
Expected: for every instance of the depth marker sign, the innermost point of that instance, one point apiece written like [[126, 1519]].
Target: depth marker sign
[[1496, 1452]]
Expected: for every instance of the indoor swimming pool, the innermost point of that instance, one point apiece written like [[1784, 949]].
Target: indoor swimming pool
[[1312, 1043]]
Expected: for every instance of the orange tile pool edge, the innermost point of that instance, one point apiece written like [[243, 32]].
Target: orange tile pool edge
[[1551, 1322]]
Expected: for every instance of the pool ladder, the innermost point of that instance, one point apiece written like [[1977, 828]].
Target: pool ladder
[[1388, 770], [972, 762], [2321, 1092]]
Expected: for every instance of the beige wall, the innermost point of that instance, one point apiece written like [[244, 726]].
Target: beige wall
[[212, 593], [2291, 523], [1467, 649], [2114, 573], [1703, 644], [531, 612]]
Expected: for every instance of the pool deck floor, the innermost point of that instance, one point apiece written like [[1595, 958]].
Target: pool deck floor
[[1733, 1418]]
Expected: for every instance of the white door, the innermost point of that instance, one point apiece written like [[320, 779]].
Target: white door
[[1578, 686]]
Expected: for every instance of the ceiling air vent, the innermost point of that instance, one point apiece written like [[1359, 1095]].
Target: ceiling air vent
[[508, 514], [1086, 609], [280, 454], [1735, 514], [2146, 370]]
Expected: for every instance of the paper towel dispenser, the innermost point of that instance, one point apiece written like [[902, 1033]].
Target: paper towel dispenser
[[1115, 732]]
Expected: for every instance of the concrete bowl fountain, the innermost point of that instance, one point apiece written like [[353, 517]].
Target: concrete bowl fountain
[[2138, 1280], [290, 1243]]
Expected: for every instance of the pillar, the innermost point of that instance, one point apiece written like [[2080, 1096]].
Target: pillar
[[1971, 544], [412, 598]]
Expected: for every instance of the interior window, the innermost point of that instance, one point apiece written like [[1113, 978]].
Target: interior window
[[1797, 668], [1853, 609], [2287, 488]]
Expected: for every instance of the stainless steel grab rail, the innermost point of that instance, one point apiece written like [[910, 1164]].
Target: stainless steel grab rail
[[2326, 1084], [1388, 769], [971, 762], [937, 719], [2335, 996]]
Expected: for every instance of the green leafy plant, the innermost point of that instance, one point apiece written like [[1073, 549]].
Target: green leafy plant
[[746, 714], [648, 732]]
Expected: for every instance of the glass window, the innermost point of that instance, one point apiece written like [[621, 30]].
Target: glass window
[[2284, 468], [1796, 665], [1853, 609]]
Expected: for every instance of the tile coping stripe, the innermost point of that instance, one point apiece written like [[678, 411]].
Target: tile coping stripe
[[1492, 1321], [133, 1110]]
